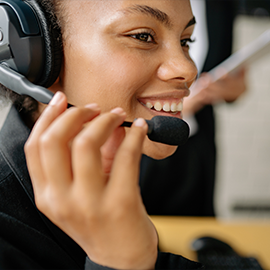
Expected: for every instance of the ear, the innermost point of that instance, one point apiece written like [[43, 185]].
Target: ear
[[57, 86]]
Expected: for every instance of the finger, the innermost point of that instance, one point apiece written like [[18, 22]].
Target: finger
[[55, 144], [86, 158], [125, 171], [241, 72], [55, 108], [109, 149]]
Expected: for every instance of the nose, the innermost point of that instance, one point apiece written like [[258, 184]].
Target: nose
[[177, 66]]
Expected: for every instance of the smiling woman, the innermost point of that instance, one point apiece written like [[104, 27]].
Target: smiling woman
[[124, 54], [121, 60]]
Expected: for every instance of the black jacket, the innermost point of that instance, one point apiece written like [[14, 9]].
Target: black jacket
[[28, 240]]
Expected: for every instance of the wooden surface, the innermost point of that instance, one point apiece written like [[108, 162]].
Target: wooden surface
[[248, 238]]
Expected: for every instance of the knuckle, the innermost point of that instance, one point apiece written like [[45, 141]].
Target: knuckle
[[51, 204], [49, 139], [29, 145], [84, 142], [45, 140], [41, 205]]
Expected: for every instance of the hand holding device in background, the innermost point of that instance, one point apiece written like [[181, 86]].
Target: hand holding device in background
[[207, 91], [226, 81]]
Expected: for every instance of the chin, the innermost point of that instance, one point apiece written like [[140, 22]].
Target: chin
[[158, 150]]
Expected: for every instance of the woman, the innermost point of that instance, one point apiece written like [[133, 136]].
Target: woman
[[122, 60]]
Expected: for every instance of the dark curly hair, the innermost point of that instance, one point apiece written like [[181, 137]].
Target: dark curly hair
[[26, 105]]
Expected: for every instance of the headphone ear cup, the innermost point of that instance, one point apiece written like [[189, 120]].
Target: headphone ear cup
[[52, 43]]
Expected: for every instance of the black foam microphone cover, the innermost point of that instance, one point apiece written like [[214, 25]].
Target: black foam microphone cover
[[168, 130]]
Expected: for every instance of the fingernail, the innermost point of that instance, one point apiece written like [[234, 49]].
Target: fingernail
[[119, 111], [140, 122], [92, 106], [56, 99]]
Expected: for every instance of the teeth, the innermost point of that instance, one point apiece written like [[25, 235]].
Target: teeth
[[158, 106], [179, 107], [149, 105], [173, 107], [166, 107]]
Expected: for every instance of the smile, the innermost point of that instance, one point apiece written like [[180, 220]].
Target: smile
[[166, 106]]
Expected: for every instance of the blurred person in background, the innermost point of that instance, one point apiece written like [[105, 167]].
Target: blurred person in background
[[183, 184]]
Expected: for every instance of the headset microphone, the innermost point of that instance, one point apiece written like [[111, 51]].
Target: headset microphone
[[166, 129], [31, 58]]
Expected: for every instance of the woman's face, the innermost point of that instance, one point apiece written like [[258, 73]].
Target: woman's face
[[131, 54]]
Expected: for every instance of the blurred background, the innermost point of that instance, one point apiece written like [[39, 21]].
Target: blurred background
[[243, 129]]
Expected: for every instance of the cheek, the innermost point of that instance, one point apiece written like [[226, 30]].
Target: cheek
[[120, 69], [111, 78]]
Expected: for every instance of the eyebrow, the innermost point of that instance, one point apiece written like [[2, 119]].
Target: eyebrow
[[191, 22], [155, 13]]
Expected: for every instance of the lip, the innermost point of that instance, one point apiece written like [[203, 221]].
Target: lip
[[177, 95]]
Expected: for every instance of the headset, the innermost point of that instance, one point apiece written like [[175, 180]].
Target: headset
[[30, 49]]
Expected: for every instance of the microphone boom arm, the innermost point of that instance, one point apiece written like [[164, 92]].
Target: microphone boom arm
[[20, 85]]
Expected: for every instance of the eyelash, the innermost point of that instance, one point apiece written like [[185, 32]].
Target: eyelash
[[184, 42], [187, 41], [145, 34]]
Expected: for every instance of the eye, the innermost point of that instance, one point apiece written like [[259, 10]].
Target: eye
[[186, 42], [144, 37]]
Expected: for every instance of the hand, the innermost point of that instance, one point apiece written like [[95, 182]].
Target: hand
[[102, 211], [209, 92]]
